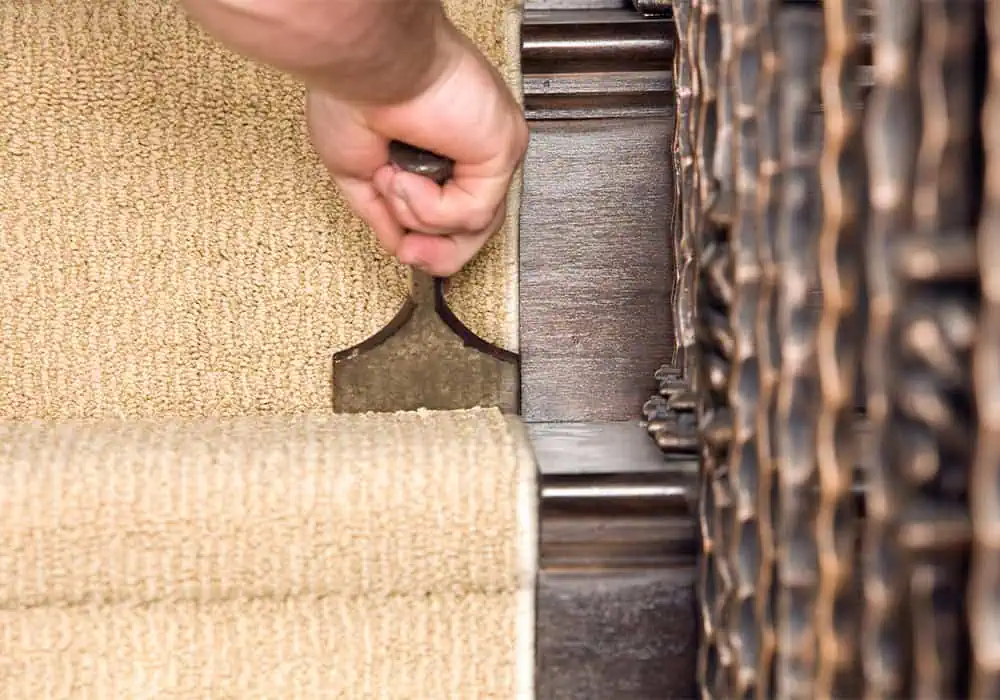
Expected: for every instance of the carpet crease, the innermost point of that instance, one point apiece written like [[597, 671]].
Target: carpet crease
[[369, 556]]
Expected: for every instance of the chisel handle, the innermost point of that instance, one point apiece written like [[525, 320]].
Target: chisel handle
[[424, 288]]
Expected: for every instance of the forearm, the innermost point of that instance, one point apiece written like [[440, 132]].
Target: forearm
[[378, 51]]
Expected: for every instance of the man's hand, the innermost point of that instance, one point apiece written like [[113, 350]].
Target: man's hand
[[392, 69], [467, 114]]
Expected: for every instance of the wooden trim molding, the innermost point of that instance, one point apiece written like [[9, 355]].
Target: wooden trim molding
[[609, 501], [595, 252], [530, 5], [593, 64], [616, 612]]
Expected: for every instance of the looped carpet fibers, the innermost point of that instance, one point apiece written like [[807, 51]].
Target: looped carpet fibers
[[179, 516], [371, 556], [170, 244]]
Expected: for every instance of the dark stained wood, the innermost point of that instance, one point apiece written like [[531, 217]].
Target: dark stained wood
[[654, 7], [597, 40], [609, 500], [598, 95], [595, 267], [616, 523], [596, 64], [640, 542], [617, 636], [574, 4], [616, 612], [574, 449]]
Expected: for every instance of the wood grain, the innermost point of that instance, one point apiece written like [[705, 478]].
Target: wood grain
[[654, 7], [594, 448], [609, 501], [598, 95], [574, 4], [595, 40], [587, 64], [616, 615], [595, 267], [616, 611], [618, 636]]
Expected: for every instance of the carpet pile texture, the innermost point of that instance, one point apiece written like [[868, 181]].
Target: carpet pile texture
[[368, 556], [180, 515], [170, 244]]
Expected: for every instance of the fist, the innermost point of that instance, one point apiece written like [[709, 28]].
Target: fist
[[467, 114]]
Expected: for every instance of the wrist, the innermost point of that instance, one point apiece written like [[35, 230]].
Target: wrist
[[410, 67], [377, 52]]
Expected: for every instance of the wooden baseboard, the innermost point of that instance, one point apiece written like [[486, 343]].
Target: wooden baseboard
[[616, 612], [595, 231]]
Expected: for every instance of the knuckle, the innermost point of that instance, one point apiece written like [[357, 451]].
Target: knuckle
[[517, 144], [479, 218], [427, 218], [521, 142]]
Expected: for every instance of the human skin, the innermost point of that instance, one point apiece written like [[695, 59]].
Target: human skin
[[378, 70]]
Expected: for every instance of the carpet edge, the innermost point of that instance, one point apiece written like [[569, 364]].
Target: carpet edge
[[513, 20], [527, 523]]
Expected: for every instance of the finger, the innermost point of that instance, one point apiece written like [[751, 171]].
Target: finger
[[396, 200], [465, 204], [346, 146], [382, 179], [443, 256], [366, 202], [400, 208]]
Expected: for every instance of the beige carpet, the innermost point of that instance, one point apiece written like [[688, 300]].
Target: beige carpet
[[179, 515], [315, 557], [169, 243]]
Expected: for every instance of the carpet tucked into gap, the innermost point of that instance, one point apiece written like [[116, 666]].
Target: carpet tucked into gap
[[169, 242], [371, 556]]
